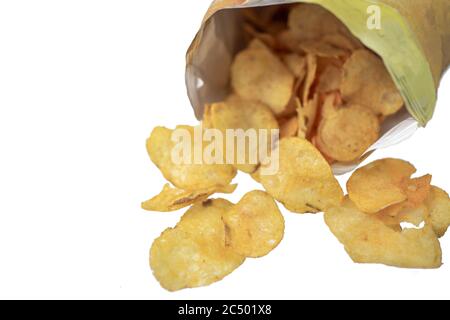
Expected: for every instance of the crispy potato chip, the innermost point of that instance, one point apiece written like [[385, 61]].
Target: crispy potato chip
[[255, 226], [286, 41], [312, 22], [236, 113], [367, 82], [344, 41], [330, 79], [258, 74], [173, 199], [194, 254], [311, 72], [302, 119], [188, 175], [438, 204], [296, 64], [330, 105], [289, 127], [304, 182], [309, 112], [368, 240], [348, 134], [256, 175], [268, 39], [378, 185], [322, 49]]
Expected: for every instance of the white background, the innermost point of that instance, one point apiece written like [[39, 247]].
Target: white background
[[82, 84]]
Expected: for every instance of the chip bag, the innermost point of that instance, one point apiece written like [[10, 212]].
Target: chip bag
[[414, 48]]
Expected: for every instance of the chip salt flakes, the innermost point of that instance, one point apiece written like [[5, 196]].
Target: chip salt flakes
[[258, 74], [312, 22], [236, 113], [173, 199], [304, 182], [255, 226], [187, 175], [367, 82], [438, 204], [346, 135], [369, 240], [194, 254], [379, 184]]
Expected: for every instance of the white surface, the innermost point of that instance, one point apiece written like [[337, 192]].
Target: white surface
[[82, 83]]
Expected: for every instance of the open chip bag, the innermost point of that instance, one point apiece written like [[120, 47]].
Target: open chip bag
[[351, 76]]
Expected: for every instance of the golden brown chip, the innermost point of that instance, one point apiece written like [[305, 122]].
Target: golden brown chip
[[258, 74], [173, 199], [304, 182], [379, 185], [302, 119], [185, 175], [289, 127], [344, 41], [322, 49], [348, 134], [369, 240], [266, 38], [310, 112], [312, 22], [296, 64], [286, 41], [311, 72], [194, 254], [236, 113], [255, 226], [367, 82], [330, 79], [438, 204]]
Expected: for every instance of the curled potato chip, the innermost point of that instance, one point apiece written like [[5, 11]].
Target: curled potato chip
[[379, 184], [367, 82], [312, 22], [255, 226], [302, 119], [438, 204], [344, 41], [258, 74], [194, 254], [304, 182], [347, 134], [185, 175], [266, 38], [369, 240], [173, 199], [311, 72], [286, 41], [236, 113]]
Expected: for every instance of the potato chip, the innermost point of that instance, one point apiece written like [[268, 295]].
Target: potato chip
[[255, 226], [173, 199], [289, 127], [311, 72], [302, 120], [304, 182], [312, 22], [193, 254], [330, 79], [368, 240], [286, 41], [268, 39], [296, 64], [329, 106], [379, 184], [258, 74], [236, 113], [438, 204], [310, 112], [322, 49], [348, 134], [187, 175], [344, 41], [367, 82]]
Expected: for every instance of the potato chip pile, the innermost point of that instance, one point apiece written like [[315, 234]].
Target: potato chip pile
[[320, 82], [305, 74], [391, 218]]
